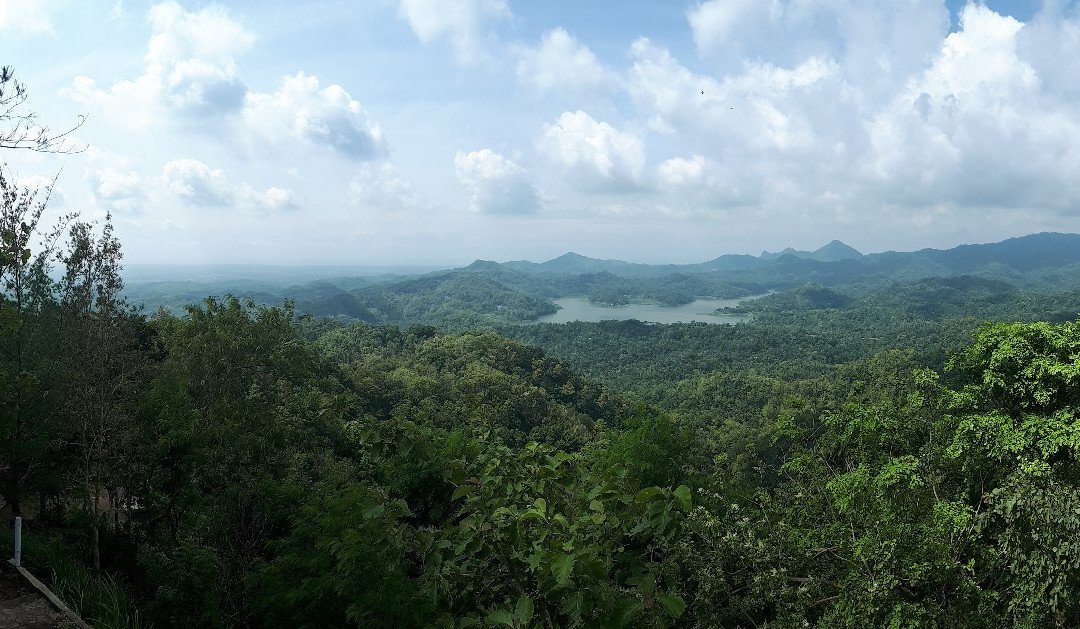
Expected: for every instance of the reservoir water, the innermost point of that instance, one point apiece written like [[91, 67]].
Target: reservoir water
[[581, 309]]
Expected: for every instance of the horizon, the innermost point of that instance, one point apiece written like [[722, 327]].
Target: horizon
[[413, 133], [391, 269]]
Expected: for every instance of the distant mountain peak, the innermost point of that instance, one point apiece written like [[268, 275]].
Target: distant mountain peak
[[482, 265], [836, 250], [831, 252]]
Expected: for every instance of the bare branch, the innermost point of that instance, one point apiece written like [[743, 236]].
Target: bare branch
[[20, 129]]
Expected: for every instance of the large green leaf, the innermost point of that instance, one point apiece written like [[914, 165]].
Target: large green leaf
[[462, 490], [500, 617], [561, 567], [682, 497], [648, 494], [673, 604], [523, 612]]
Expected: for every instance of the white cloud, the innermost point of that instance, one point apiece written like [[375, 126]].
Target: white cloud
[[198, 185], [27, 16], [876, 41], [461, 22], [379, 186], [702, 185], [190, 72], [191, 54], [114, 185], [498, 185], [679, 172], [763, 108], [1049, 39], [718, 21], [273, 199], [560, 62], [189, 69], [301, 111], [977, 128], [597, 155], [833, 124]]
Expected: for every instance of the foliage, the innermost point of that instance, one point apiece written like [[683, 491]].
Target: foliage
[[101, 600], [858, 455], [551, 538]]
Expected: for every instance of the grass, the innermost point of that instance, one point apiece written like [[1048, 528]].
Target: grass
[[99, 599]]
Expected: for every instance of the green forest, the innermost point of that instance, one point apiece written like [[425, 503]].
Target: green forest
[[864, 452], [890, 440]]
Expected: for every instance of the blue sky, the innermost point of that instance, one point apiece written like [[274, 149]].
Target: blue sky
[[440, 131]]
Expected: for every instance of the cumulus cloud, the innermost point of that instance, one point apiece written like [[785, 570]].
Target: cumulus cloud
[[1046, 41], [189, 68], [192, 54], [114, 185], [699, 184], [765, 107], [273, 199], [561, 62], [842, 118], [196, 184], [301, 111], [462, 23], [379, 186], [594, 153], [190, 72], [978, 128], [873, 41], [680, 172], [498, 185], [718, 21], [27, 16]]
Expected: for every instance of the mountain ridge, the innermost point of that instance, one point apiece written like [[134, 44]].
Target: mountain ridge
[[1061, 245], [522, 290], [1045, 248]]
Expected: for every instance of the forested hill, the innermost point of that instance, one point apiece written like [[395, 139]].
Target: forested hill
[[881, 459], [486, 292], [1046, 261]]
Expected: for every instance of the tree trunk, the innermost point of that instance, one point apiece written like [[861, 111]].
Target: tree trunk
[[95, 546]]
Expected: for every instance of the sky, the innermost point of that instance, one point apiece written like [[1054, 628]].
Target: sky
[[392, 132]]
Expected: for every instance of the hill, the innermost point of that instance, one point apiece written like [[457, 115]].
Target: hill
[[522, 291]]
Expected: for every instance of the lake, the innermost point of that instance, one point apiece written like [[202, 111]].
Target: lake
[[581, 309]]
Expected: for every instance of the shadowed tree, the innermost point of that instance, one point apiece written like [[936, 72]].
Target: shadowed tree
[[25, 293], [102, 365]]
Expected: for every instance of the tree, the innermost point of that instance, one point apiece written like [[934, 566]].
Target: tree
[[20, 129], [1019, 434], [24, 279], [103, 365], [25, 290], [541, 539]]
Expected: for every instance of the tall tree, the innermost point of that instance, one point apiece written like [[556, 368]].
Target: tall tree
[[25, 290], [103, 367]]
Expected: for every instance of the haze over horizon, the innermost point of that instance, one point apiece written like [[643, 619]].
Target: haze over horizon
[[418, 132]]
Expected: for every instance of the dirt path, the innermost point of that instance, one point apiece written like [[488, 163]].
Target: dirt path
[[22, 607]]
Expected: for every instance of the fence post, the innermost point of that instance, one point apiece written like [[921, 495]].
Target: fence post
[[18, 541]]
